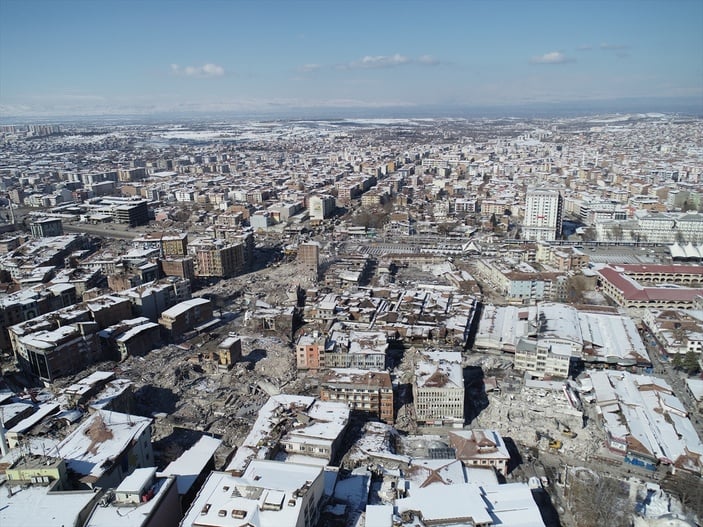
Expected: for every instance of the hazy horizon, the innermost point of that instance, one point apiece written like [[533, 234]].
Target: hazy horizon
[[129, 57], [683, 106]]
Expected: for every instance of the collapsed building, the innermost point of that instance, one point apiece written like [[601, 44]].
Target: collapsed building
[[592, 336], [645, 423], [298, 427]]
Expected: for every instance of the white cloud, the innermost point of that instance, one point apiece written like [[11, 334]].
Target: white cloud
[[380, 61], [213, 70], [553, 57], [388, 61], [206, 70], [428, 60]]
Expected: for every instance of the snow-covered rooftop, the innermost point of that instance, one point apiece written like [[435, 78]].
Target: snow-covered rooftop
[[643, 408], [101, 438], [191, 463], [30, 506]]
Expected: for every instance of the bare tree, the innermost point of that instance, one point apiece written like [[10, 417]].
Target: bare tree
[[575, 287], [589, 234], [445, 228], [688, 488], [617, 232], [598, 500]]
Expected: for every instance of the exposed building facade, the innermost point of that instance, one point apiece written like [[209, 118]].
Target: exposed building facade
[[107, 447], [47, 227], [185, 316], [438, 389], [542, 359], [321, 207], [368, 392], [217, 258]]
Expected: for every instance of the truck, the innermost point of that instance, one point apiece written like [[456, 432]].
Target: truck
[[555, 444]]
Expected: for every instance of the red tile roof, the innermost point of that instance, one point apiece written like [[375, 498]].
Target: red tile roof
[[634, 291]]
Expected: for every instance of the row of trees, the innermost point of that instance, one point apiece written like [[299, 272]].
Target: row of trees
[[687, 362]]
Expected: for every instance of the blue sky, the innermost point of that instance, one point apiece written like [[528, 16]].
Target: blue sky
[[122, 56]]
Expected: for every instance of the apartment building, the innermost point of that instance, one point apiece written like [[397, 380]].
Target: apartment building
[[29, 303], [217, 258], [134, 337], [125, 444], [523, 284], [342, 349], [65, 341], [542, 359], [183, 268], [561, 258], [152, 299], [168, 243], [363, 391], [365, 350], [133, 213], [321, 207], [297, 428], [678, 330], [309, 258], [543, 214], [49, 354], [309, 351], [438, 389]]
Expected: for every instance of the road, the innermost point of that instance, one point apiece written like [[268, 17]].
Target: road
[[118, 232]]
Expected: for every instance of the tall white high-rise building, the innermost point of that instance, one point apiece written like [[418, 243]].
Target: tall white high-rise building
[[543, 214]]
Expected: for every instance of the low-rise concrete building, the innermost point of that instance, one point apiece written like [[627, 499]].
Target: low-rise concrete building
[[268, 494], [141, 500], [481, 448], [309, 351]]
